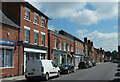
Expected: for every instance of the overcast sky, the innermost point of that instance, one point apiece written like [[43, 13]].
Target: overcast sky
[[96, 20]]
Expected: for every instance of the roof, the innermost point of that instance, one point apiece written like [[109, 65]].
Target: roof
[[5, 20], [65, 33], [35, 9]]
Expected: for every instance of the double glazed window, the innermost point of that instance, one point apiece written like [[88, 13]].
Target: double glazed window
[[6, 58], [42, 21], [26, 35], [35, 37], [42, 39], [27, 13]]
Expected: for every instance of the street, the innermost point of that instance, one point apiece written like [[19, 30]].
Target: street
[[104, 71]]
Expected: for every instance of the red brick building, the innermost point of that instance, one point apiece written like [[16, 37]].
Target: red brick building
[[60, 48], [34, 31], [79, 54], [8, 46]]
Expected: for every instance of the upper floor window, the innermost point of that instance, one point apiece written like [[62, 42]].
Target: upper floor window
[[36, 18], [42, 21], [64, 46], [27, 14], [26, 36], [54, 43], [42, 38], [68, 47], [78, 50], [36, 36], [71, 48], [59, 44]]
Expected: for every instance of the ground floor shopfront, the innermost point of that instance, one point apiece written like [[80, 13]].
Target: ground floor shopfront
[[8, 58], [34, 53], [59, 56], [78, 58]]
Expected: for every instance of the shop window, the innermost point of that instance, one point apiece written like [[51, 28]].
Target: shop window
[[6, 58]]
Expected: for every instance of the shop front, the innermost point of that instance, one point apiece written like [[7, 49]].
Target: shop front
[[34, 53], [78, 58], [59, 57]]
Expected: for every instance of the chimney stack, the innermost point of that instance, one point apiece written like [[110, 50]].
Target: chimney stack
[[91, 43], [85, 39]]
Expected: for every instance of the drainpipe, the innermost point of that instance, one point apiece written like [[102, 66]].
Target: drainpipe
[[19, 53]]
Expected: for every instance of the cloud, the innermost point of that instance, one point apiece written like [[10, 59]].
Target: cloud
[[51, 27], [78, 13], [108, 41]]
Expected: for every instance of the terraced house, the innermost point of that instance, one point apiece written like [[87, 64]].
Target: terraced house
[[33, 33], [60, 48]]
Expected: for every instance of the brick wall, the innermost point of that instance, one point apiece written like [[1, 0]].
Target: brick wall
[[13, 36]]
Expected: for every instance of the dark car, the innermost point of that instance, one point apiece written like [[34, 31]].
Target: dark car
[[115, 61], [82, 65], [67, 68], [93, 63]]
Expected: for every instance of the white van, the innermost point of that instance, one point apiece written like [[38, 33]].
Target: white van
[[41, 69]]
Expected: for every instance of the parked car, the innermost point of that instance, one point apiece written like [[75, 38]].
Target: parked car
[[67, 68], [82, 65], [118, 64], [93, 63], [41, 69], [89, 64], [105, 61], [115, 61]]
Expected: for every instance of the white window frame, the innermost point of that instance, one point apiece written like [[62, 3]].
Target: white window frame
[[27, 10], [42, 21], [78, 51], [42, 33], [36, 15]]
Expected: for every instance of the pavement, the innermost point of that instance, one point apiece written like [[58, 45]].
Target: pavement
[[99, 73]]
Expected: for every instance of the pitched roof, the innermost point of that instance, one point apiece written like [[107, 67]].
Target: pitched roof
[[5, 20]]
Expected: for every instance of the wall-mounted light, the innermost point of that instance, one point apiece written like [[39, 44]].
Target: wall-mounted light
[[8, 34]]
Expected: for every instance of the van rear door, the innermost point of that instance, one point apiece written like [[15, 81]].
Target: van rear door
[[34, 68]]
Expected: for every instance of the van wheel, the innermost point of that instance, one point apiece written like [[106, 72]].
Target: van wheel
[[46, 77], [58, 74]]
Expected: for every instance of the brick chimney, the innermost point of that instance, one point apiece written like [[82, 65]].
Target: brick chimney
[[91, 43], [85, 39]]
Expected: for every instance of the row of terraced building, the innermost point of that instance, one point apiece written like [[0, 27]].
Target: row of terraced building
[[25, 36]]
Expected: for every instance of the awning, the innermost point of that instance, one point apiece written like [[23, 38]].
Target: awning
[[70, 55], [34, 50]]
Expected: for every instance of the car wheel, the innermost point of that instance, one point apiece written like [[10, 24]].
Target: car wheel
[[58, 74], [46, 77]]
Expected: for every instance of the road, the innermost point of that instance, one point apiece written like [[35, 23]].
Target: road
[[104, 71]]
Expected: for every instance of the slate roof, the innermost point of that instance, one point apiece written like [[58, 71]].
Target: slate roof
[[5, 20]]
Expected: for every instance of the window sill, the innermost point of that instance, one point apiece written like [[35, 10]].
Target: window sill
[[42, 45], [27, 20], [26, 41], [36, 43], [6, 67], [35, 23], [42, 27]]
